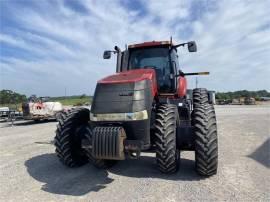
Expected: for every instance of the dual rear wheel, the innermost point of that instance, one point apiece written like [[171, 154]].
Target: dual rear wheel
[[205, 132], [205, 129]]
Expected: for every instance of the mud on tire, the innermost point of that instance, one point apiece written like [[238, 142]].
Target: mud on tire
[[206, 142], [167, 155]]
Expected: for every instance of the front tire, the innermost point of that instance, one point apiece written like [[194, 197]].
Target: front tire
[[167, 155], [68, 137], [206, 142]]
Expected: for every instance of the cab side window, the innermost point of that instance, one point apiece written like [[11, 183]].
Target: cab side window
[[174, 59], [175, 66]]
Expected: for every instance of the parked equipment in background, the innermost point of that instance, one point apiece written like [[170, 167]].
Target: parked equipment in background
[[249, 101], [41, 109], [244, 101], [4, 112], [7, 114], [143, 107], [212, 97]]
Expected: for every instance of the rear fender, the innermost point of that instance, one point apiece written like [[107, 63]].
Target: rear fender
[[181, 86]]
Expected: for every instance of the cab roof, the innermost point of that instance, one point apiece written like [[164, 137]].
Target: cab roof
[[151, 44]]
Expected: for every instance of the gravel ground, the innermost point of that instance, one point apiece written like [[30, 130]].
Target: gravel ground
[[30, 171]]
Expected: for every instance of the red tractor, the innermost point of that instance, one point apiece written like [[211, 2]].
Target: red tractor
[[143, 107]]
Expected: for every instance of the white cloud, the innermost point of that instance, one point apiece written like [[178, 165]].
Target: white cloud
[[233, 40]]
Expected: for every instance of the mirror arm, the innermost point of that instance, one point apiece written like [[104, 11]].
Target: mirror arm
[[191, 74], [178, 45], [180, 74], [114, 52]]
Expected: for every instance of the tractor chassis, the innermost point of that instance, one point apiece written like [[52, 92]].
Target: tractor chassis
[[111, 143]]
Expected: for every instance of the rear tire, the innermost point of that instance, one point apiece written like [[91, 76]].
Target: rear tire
[[58, 116], [206, 142], [167, 155], [68, 137], [200, 97]]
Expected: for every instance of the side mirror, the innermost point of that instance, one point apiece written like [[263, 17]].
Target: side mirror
[[107, 54], [192, 47]]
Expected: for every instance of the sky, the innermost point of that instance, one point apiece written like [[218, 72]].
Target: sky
[[49, 47]]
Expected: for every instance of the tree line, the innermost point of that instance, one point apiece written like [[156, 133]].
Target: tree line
[[242, 93], [11, 97]]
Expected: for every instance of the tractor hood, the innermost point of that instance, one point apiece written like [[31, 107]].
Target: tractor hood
[[125, 92], [132, 76], [129, 76], [126, 98]]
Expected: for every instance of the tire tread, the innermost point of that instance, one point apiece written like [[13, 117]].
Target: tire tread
[[206, 142], [167, 155]]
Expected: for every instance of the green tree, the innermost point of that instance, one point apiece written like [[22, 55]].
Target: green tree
[[10, 97]]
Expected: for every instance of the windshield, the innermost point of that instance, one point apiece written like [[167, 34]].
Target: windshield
[[157, 59]]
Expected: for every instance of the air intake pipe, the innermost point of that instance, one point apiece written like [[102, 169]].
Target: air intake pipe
[[119, 56]]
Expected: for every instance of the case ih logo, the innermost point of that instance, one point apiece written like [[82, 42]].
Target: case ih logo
[[126, 94]]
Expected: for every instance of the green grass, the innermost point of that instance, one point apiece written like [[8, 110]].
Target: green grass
[[74, 101], [17, 106]]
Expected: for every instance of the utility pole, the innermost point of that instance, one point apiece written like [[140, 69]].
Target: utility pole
[[1, 78], [65, 94], [196, 82]]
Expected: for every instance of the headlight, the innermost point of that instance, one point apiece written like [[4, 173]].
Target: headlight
[[133, 116]]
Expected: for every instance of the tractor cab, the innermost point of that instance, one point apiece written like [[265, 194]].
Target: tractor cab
[[160, 56]]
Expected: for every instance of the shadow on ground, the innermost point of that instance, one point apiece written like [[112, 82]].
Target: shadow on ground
[[59, 179], [146, 167], [31, 122], [262, 154]]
